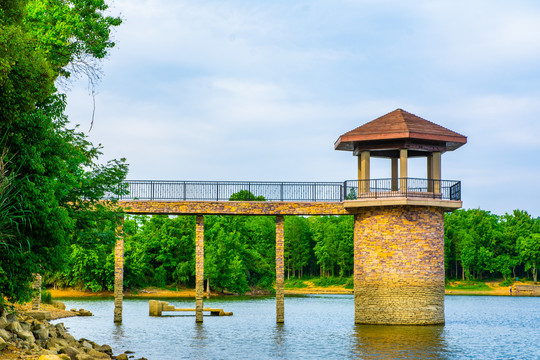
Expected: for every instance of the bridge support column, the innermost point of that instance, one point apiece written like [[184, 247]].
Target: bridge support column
[[119, 271], [280, 273], [199, 268], [36, 286], [399, 265]]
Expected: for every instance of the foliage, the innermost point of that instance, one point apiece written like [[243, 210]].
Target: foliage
[[351, 195], [294, 283], [478, 243], [59, 179], [245, 195], [46, 297]]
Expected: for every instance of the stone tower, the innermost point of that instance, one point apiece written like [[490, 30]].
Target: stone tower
[[399, 221]]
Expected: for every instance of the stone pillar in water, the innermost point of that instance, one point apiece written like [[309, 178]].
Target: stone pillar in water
[[199, 267], [36, 299], [399, 265], [280, 274], [119, 271]]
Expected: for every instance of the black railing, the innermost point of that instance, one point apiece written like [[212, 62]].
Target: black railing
[[291, 191], [242, 190], [403, 187]]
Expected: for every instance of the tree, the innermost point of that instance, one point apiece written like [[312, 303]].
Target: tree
[[529, 250], [59, 179], [245, 195]]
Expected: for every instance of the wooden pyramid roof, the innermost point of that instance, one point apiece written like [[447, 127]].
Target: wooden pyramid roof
[[400, 128]]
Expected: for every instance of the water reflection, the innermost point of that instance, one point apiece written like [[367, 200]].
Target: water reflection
[[280, 335], [118, 332], [395, 342]]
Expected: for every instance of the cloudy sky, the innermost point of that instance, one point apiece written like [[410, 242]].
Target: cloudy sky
[[261, 90]]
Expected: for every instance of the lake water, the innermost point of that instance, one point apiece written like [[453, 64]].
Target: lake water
[[316, 327]]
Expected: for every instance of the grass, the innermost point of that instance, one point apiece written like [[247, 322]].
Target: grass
[[295, 284], [323, 282], [468, 285]]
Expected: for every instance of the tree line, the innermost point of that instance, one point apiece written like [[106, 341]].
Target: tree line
[[479, 244], [240, 250]]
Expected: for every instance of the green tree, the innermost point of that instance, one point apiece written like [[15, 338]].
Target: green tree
[[529, 249], [59, 180], [245, 195]]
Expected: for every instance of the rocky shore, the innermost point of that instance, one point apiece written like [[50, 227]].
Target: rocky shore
[[29, 335]]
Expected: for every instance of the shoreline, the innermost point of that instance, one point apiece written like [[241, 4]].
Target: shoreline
[[149, 293]]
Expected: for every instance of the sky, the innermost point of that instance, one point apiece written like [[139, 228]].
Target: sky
[[261, 90]]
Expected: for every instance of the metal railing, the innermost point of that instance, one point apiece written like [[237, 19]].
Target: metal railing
[[243, 190], [403, 187], [290, 191]]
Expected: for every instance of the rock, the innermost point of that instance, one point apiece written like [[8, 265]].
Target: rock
[[5, 335], [122, 357], [69, 351], [3, 322], [71, 340], [105, 349], [59, 305], [26, 326], [3, 344], [27, 336], [83, 312], [14, 327], [85, 344], [11, 318], [84, 357], [54, 343], [50, 357], [61, 329], [98, 354], [39, 314], [41, 334]]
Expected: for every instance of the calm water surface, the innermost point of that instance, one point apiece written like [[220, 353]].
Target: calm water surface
[[316, 327]]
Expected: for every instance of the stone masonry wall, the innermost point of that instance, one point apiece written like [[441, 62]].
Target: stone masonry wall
[[199, 267], [119, 272], [233, 208], [280, 270], [399, 265]]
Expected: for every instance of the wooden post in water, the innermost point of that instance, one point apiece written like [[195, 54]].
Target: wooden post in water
[[119, 271], [199, 267], [280, 275]]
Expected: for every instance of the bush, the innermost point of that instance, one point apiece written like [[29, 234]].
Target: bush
[[507, 282], [46, 297]]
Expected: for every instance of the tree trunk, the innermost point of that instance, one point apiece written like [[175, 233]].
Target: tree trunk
[[535, 274], [208, 288]]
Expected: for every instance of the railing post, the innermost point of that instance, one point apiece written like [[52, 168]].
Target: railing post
[[281, 192], [185, 198], [217, 191], [314, 192], [151, 190]]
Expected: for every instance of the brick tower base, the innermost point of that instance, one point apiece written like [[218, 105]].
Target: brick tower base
[[399, 265]]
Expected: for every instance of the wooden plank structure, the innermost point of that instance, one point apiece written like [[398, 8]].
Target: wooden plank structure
[[532, 290], [156, 308]]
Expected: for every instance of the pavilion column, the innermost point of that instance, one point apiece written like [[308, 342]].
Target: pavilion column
[[119, 271], [430, 172], [394, 185], [363, 186], [36, 286], [357, 271], [280, 272], [403, 154], [199, 268], [436, 171]]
